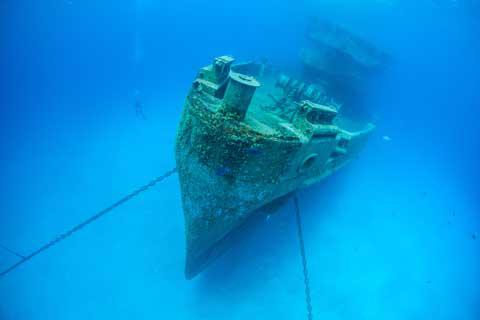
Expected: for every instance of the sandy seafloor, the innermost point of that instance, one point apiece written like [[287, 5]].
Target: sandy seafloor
[[376, 249], [394, 235]]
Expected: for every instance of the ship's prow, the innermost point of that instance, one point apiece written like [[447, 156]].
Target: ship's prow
[[248, 136]]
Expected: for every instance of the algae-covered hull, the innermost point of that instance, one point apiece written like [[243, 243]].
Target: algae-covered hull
[[248, 136]]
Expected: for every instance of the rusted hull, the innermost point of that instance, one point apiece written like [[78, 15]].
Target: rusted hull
[[228, 170]]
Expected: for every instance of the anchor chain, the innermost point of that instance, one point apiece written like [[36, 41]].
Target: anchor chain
[[88, 221], [11, 251], [306, 279]]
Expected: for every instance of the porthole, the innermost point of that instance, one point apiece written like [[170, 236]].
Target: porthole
[[308, 162]]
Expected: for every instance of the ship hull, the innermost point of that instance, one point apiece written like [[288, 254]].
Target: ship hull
[[228, 171]]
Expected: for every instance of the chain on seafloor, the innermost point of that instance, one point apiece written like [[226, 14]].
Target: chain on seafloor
[[11, 251], [88, 221], [306, 279]]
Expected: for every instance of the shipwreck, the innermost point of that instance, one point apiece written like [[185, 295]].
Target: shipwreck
[[251, 134]]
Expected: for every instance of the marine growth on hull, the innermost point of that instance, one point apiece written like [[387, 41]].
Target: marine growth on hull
[[251, 133]]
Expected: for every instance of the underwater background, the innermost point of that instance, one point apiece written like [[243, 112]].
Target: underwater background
[[394, 235]]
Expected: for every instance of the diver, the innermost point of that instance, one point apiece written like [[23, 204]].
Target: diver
[[138, 105]]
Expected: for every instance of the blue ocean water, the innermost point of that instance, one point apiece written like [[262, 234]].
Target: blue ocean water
[[394, 235]]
